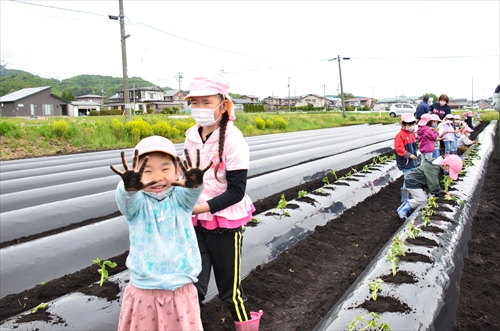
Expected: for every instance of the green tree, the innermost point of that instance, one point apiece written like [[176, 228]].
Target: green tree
[[431, 95], [348, 96]]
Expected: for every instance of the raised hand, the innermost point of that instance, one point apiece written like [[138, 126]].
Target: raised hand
[[132, 178], [193, 177]]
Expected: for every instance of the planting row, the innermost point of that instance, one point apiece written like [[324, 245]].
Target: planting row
[[412, 284], [35, 210], [278, 229]]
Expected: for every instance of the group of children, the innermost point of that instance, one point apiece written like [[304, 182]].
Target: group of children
[[183, 226], [440, 138]]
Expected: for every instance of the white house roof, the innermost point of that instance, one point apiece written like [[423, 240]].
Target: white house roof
[[86, 103], [171, 93], [89, 96], [22, 93]]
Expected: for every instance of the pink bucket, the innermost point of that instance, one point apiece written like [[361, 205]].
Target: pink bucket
[[251, 325]]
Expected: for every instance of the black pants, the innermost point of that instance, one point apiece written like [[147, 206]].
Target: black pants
[[221, 250]]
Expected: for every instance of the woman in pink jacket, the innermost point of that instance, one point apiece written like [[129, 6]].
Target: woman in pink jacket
[[223, 207]]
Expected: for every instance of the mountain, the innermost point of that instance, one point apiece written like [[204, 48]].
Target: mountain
[[12, 80]]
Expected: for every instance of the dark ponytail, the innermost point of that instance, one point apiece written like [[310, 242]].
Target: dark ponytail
[[222, 139]]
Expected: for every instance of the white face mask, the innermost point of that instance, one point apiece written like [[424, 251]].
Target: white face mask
[[442, 103], [205, 116], [410, 128]]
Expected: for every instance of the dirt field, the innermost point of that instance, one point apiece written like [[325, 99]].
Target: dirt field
[[296, 290]]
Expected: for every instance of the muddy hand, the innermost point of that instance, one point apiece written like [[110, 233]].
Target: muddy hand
[[132, 177], [193, 177]]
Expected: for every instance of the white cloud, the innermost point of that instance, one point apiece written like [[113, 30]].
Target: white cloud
[[393, 46]]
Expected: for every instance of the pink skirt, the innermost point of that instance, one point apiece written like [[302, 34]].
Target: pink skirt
[[149, 310]]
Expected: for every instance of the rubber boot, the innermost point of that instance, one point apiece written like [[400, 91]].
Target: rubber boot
[[250, 325], [405, 195], [404, 209]]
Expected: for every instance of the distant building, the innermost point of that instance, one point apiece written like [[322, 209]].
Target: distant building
[[153, 97], [86, 103], [34, 101]]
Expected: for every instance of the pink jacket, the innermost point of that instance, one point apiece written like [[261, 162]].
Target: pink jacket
[[426, 138], [236, 157]]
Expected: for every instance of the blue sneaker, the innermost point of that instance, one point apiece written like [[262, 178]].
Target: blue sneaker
[[404, 209]]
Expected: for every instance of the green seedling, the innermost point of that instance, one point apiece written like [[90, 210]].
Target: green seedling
[[302, 194], [375, 287], [371, 323], [426, 220], [325, 181], [43, 305], [392, 157], [42, 283], [103, 271], [431, 202], [334, 174], [354, 171], [254, 220], [366, 168], [412, 231], [398, 247], [446, 181], [348, 175], [394, 262], [282, 206]]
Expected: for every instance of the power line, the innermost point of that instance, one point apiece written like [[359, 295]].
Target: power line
[[54, 7]]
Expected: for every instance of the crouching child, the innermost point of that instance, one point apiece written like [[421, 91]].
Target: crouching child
[[428, 177]]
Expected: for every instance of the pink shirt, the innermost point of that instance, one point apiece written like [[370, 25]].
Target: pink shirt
[[236, 157]]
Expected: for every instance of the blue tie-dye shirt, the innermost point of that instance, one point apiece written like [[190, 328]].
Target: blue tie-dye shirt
[[164, 251]]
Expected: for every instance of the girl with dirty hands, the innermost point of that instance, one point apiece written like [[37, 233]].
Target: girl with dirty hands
[[164, 259], [223, 208]]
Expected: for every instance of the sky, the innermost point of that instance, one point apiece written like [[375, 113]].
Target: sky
[[268, 48]]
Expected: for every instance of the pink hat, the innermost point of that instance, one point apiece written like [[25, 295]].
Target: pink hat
[[456, 117], [469, 113], [434, 117], [211, 84], [423, 121], [408, 118], [155, 144], [455, 163], [449, 116]]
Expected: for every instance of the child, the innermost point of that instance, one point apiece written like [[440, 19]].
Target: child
[[457, 126], [464, 142], [223, 208], [470, 119], [406, 149], [448, 133], [426, 138], [164, 259], [428, 176], [434, 120]]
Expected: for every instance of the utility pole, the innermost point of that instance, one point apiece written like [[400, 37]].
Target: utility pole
[[472, 104], [289, 94], [341, 86], [180, 77], [126, 96], [324, 96]]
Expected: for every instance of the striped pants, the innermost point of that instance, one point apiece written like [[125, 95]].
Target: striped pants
[[222, 252]]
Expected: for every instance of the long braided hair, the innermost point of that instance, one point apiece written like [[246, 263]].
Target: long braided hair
[[222, 138]]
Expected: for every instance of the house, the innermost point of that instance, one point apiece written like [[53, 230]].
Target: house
[[313, 99], [144, 98], [385, 103], [457, 103], [34, 101], [238, 104], [86, 103], [280, 102], [252, 98], [359, 102]]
